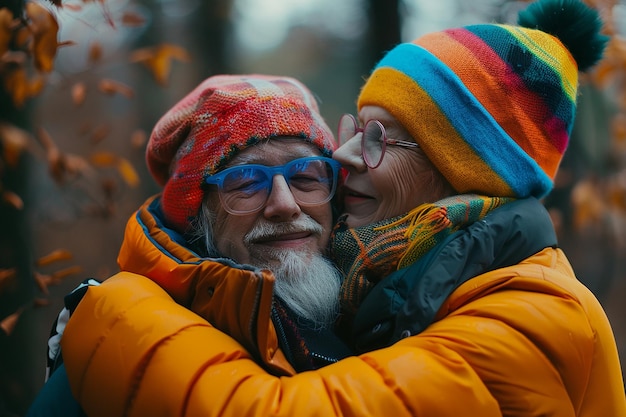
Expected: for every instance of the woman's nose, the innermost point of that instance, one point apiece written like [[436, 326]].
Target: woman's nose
[[349, 154]]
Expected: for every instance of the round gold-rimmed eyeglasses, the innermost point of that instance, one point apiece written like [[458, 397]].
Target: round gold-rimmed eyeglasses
[[374, 140]]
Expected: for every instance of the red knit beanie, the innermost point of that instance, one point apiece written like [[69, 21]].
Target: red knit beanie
[[221, 117]]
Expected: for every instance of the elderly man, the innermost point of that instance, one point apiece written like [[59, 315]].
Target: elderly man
[[247, 179]]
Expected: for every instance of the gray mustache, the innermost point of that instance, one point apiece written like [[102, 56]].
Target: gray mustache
[[263, 231]]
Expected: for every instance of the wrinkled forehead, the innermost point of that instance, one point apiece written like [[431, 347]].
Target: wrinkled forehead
[[276, 151]]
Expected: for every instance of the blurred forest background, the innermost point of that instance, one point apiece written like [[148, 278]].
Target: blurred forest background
[[82, 82]]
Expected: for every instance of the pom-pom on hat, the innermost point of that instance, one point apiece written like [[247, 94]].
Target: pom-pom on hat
[[491, 105], [222, 116]]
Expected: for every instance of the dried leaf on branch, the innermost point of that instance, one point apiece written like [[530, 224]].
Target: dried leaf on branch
[[133, 19], [95, 52], [61, 165], [14, 142], [124, 167], [138, 138], [112, 87], [44, 27], [6, 29], [7, 277], [54, 256], [79, 93], [159, 59], [7, 325], [12, 199], [19, 85]]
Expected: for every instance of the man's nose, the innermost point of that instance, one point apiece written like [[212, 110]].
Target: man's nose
[[349, 154], [281, 204]]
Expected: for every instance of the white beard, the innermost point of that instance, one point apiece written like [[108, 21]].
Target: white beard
[[307, 283], [309, 286]]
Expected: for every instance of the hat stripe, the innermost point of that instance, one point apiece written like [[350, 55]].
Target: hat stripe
[[397, 92], [460, 49], [553, 58], [545, 63], [467, 115], [532, 63]]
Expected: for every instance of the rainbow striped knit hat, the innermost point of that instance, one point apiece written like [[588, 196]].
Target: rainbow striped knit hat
[[493, 106], [222, 116]]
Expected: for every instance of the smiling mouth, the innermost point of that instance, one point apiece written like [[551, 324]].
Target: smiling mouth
[[282, 238], [349, 193]]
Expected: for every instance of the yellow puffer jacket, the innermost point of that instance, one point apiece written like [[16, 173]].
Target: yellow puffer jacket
[[209, 288], [502, 344]]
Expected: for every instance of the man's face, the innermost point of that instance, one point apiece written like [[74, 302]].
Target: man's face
[[282, 225]]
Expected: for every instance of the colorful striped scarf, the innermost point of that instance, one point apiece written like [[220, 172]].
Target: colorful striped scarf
[[369, 253]]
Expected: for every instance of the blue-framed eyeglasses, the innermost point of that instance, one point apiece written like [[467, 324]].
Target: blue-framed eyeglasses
[[244, 189], [374, 140]]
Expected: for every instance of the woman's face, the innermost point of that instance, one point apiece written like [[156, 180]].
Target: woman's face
[[404, 179]]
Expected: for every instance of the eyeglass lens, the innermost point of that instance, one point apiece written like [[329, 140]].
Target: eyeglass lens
[[372, 141], [246, 188]]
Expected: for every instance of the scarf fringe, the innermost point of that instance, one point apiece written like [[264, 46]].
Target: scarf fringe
[[423, 222]]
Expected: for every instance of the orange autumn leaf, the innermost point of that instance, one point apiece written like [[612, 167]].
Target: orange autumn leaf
[[60, 164], [14, 142], [54, 256], [111, 87], [138, 138], [12, 199], [76, 164], [95, 52], [159, 60], [79, 92], [20, 87], [36, 85], [44, 28], [103, 159], [128, 173], [56, 160], [9, 322], [133, 19], [64, 273], [7, 276], [42, 281], [124, 167], [45, 139], [6, 30], [16, 84]]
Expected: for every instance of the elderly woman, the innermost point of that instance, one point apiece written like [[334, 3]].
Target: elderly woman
[[450, 261]]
